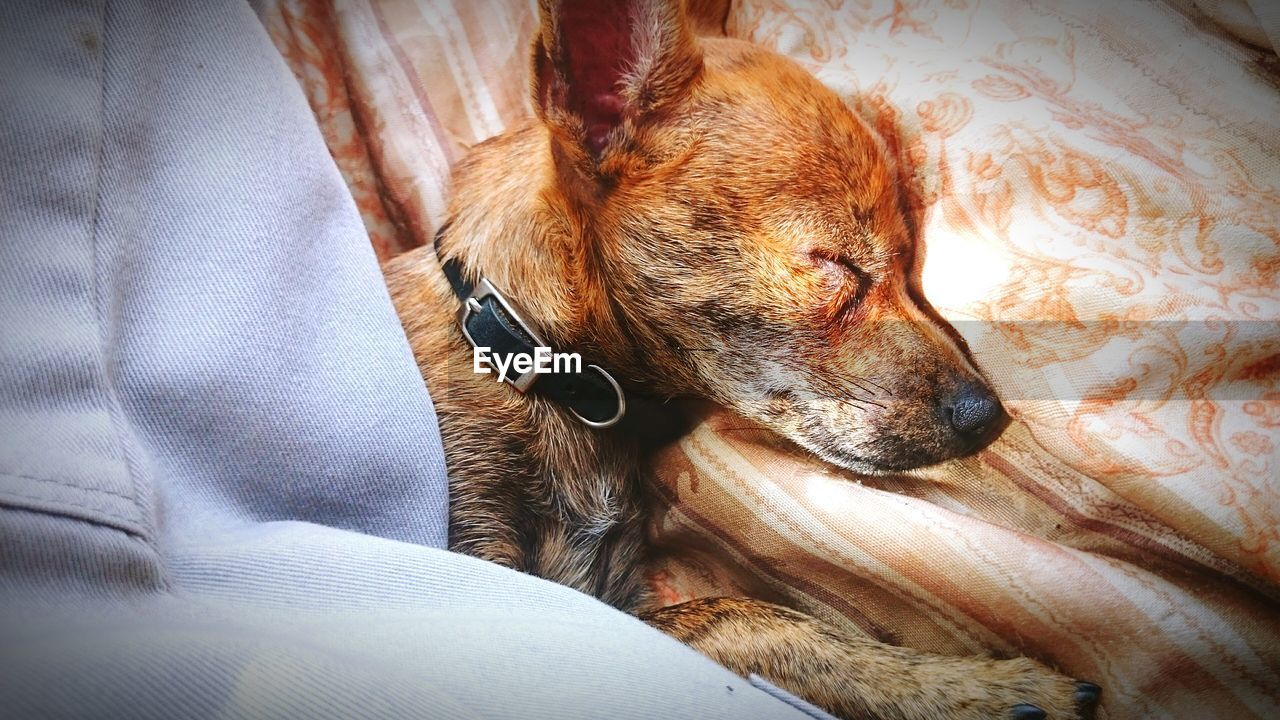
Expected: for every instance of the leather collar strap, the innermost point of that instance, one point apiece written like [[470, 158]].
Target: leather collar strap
[[488, 319]]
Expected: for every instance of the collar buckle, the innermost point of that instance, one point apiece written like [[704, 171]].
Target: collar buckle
[[471, 306]]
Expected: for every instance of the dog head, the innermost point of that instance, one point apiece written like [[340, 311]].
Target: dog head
[[745, 239]]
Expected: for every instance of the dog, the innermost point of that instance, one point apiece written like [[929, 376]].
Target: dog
[[698, 217]]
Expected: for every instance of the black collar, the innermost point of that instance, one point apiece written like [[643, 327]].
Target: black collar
[[488, 319]]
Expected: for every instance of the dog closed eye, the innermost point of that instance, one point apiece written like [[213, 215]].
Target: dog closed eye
[[845, 282]]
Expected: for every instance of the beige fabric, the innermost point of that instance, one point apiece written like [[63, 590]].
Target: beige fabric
[[1098, 186]]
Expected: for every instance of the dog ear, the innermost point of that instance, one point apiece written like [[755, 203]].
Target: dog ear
[[598, 63]]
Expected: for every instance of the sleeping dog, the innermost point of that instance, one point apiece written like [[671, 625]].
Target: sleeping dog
[[691, 216]]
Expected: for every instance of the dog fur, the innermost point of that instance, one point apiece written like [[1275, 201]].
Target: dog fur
[[705, 219]]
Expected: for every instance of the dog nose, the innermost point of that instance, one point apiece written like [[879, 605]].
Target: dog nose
[[974, 409]]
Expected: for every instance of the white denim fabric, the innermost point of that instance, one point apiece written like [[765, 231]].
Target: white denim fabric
[[222, 491]]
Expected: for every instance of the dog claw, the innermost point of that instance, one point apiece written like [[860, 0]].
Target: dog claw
[[1087, 696], [1026, 711]]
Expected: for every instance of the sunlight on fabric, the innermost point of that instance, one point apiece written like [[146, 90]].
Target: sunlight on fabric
[[961, 271], [830, 494]]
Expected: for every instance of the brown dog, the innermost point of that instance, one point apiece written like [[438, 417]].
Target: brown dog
[[701, 218]]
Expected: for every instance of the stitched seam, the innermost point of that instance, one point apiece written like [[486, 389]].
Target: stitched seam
[[67, 483], [107, 512], [782, 695], [60, 515], [112, 406]]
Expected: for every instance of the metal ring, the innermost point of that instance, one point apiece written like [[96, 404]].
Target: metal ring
[[622, 403]]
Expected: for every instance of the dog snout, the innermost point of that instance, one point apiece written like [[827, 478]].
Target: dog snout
[[974, 411]]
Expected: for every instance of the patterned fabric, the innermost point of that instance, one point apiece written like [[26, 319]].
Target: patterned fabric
[[1097, 187]]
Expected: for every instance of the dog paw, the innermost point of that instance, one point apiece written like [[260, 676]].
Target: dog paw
[[1023, 689]]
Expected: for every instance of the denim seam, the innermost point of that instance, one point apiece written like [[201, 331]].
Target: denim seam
[[68, 484], [86, 507], [110, 397], [794, 701]]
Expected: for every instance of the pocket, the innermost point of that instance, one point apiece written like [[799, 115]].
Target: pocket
[[61, 450]]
